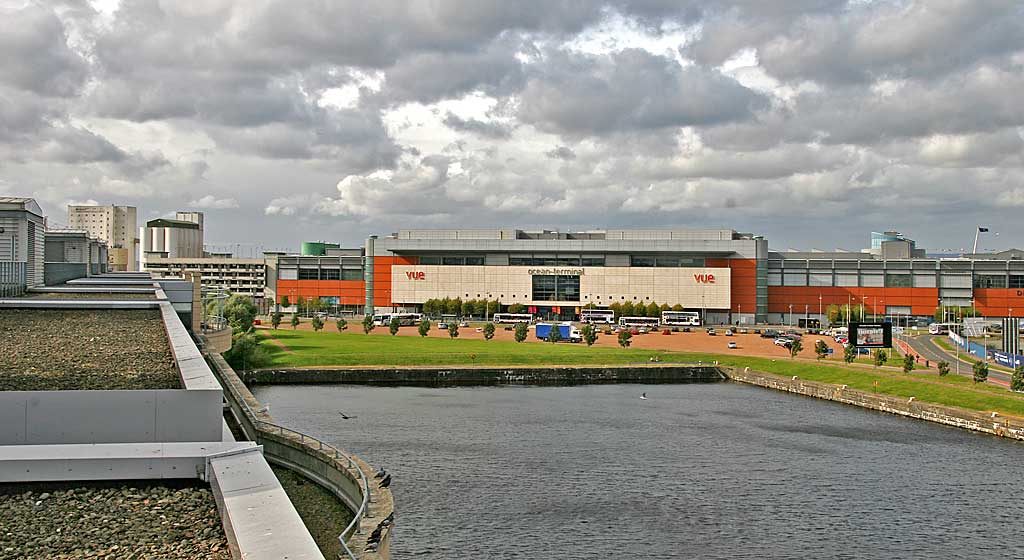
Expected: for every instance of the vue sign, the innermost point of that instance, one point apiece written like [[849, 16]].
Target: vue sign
[[416, 275], [704, 278]]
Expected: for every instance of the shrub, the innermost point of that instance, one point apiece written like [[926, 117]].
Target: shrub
[[246, 352], [624, 337], [821, 349], [849, 354], [1017, 381], [275, 319], [521, 331], [589, 333], [453, 329], [393, 326], [488, 331], [423, 328], [943, 368], [368, 325], [341, 324], [240, 312], [295, 321], [980, 372], [318, 324], [880, 357], [555, 334], [908, 363], [795, 348]]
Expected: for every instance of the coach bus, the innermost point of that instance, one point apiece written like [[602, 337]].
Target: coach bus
[[939, 328], [636, 322], [680, 318], [592, 316], [513, 318], [404, 319]]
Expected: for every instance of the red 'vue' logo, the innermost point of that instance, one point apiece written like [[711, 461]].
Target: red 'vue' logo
[[416, 275], [704, 278]]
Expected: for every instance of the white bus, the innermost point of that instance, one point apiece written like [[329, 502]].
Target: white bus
[[630, 322], [680, 318], [404, 319], [592, 316], [939, 328], [513, 318]]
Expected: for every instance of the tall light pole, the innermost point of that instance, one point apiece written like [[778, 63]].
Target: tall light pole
[[820, 317], [791, 314]]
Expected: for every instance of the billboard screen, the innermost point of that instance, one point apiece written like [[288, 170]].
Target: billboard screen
[[871, 335]]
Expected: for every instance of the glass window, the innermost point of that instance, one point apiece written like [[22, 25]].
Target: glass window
[[309, 274], [544, 288], [556, 288], [453, 260], [666, 262], [430, 260], [593, 260], [474, 261], [1016, 281], [351, 274], [519, 260], [639, 260], [981, 281], [897, 281], [331, 274]]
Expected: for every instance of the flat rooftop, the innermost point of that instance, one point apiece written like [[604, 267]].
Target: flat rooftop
[[87, 295], [110, 520], [85, 349]]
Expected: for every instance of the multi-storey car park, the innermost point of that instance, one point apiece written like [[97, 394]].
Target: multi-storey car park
[[726, 276]]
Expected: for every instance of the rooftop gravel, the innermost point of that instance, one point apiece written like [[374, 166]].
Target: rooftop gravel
[[69, 349], [127, 522], [87, 295]]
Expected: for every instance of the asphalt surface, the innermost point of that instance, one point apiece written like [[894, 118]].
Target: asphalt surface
[[923, 345]]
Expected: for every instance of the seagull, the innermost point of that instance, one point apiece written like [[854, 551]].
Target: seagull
[[386, 482], [643, 396], [344, 417], [380, 473]]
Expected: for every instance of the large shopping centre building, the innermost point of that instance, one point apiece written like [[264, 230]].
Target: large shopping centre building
[[730, 277]]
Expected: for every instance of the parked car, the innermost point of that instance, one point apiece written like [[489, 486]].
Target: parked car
[[732, 344], [711, 332], [442, 326], [634, 331], [666, 331], [743, 331], [728, 332], [783, 341], [770, 333], [463, 324], [643, 330]]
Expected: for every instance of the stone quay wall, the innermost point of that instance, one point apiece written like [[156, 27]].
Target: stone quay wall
[[989, 423]]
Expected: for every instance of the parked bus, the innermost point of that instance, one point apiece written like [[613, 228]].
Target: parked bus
[[939, 328], [513, 318], [680, 318], [592, 316], [404, 319], [631, 322]]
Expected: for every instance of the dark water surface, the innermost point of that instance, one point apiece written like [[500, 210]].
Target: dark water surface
[[696, 471]]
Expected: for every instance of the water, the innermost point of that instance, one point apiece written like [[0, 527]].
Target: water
[[696, 471]]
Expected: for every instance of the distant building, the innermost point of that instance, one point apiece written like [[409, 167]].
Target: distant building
[[22, 244], [181, 237], [72, 253], [239, 276], [116, 225]]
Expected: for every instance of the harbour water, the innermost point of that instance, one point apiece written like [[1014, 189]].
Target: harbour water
[[718, 470]]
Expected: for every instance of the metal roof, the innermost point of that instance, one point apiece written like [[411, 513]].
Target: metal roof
[[27, 204]]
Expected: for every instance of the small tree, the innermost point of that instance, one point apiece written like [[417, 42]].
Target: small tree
[[394, 325], [943, 368], [849, 354], [980, 372], [488, 331], [318, 323], [295, 321], [453, 329], [275, 320], [341, 324], [1017, 381], [517, 308], [821, 349], [368, 324], [908, 363], [240, 312], [246, 352], [624, 337], [285, 302], [521, 331], [795, 348], [880, 357], [555, 334], [589, 333], [423, 328]]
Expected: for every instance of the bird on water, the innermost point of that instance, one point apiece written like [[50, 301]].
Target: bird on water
[[381, 473], [386, 482], [643, 396]]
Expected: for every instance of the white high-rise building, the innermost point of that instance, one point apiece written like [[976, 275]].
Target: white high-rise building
[[114, 224]]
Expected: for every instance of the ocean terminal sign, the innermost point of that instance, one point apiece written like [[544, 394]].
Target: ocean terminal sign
[[555, 272]]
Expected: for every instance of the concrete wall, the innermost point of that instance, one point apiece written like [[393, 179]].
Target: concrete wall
[[61, 272], [951, 416]]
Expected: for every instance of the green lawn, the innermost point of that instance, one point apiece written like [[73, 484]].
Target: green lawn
[[349, 349]]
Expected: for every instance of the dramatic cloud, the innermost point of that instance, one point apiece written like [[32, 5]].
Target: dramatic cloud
[[340, 119]]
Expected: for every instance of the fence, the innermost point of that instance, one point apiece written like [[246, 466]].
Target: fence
[[12, 279]]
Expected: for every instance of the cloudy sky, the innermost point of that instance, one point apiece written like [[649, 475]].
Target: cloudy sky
[[812, 122]]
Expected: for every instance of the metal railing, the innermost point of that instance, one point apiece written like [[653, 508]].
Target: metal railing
[[212, 300], [12, 278], [258, 426]]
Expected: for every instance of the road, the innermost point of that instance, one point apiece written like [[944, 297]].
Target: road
[[923, 345]]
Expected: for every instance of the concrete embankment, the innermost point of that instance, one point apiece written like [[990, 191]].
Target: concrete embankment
[[989, 423], [452, 376]]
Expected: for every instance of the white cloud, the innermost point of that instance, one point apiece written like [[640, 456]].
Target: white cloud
[[211, 202]]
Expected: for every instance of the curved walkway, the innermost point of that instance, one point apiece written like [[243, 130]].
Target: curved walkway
[[924, 345]]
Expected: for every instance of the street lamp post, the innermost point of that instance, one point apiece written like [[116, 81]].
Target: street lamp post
[[791, 314], [820, 317]]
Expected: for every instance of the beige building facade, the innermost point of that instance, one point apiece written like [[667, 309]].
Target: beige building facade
[[693, 288], [116, 225]]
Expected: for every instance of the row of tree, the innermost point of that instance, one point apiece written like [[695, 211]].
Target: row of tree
[[467, 308], [640, 309]]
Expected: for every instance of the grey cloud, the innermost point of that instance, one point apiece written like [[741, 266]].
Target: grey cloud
[[430, 77], [629, 90], [561, 152], [36, 56], [478, 127]]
